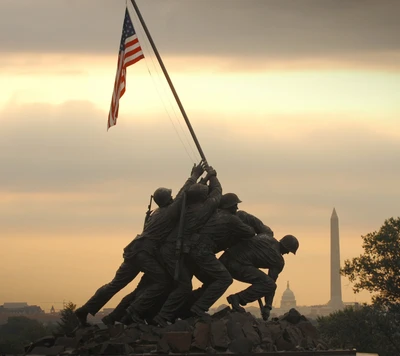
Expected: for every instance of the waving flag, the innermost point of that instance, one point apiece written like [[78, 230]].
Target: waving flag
[[130, 52]]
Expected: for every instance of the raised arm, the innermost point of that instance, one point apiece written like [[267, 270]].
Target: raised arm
[[175, 207], [240, 229], [255, 223], [215, 190]]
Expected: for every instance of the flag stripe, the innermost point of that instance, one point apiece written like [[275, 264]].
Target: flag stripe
[[133, 59]]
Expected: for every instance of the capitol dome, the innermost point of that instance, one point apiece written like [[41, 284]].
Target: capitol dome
[[288, 300]]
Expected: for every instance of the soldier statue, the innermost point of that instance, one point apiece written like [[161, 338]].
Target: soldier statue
[[139, 255], [244, 261]]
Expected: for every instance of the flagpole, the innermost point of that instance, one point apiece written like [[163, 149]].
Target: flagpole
[[196, 141]]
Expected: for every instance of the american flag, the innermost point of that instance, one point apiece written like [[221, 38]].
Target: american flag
[[130, 52]]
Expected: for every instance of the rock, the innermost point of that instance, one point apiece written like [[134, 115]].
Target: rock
[[115, 349], [178, 341], [275, 329], [308, 329], [265, 333], [47, 341], [181, 325], [115, 330], [92, 348], [101, 326], [68, 342], [219, 335], [293, 335], [293, 316], [251, 333], [222, 313], [149, 338], [224, 331], [201, 336], [284, 345], [240, 346], [133, 333], [50, 351], [145, 349], [162, 346]]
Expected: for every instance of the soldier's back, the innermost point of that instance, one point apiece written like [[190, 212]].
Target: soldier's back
[[261, 251]]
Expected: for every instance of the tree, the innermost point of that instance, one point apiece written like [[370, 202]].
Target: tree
[[367, 328], [69, 322], [377, 269], [18, 332]]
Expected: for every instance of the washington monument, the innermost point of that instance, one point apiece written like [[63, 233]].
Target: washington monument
[[336, 287]]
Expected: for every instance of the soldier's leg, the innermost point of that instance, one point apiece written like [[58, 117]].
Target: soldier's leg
[[261, 284], [124, 275], [218, 280], [119, 312], [185, 312], [158, 284], [176, 299]]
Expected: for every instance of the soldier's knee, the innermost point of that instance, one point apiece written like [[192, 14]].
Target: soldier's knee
[[228, 280], [224, 259], [269, 283]]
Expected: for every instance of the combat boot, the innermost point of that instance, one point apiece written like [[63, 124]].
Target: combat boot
[[108, 320], [82, 314], [160, 321], [234, 301], [133, 316], [197, 311]]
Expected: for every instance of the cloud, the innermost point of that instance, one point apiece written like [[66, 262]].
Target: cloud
[[59, 165], [255, 30]]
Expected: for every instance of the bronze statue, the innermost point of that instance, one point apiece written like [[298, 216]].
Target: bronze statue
[[139, 255], [244, 261], [202, 202]]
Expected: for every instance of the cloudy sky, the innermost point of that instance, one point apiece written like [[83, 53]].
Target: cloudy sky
[[295, 103]]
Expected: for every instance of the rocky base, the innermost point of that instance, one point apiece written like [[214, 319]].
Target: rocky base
[[223, 332]]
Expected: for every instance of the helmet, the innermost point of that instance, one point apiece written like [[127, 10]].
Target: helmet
[[162, 196], [197, 193], [228, 200], [290, 243]]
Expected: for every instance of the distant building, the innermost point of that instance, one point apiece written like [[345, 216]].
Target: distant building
[[18, 308], [288, 299], [336, 302], [15, 305], [8, 310]]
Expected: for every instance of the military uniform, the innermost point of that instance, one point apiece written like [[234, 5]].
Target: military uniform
[[221, 231], [244, 261], [196, 216], [258, 226], [139, 257], [120, 311]]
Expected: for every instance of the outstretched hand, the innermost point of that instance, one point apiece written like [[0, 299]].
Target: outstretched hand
[[211, 171], [198, 170]]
